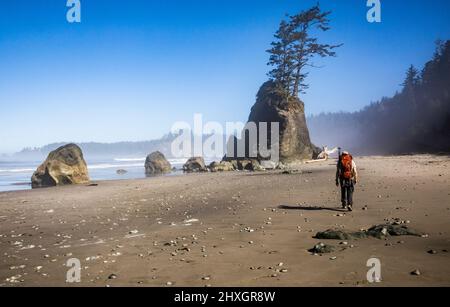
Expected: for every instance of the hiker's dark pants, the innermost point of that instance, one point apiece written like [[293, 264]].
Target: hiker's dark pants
[[347, 189]]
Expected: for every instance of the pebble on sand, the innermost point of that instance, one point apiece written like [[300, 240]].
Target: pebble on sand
[[416, 272]]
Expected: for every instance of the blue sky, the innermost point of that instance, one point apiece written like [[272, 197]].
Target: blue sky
[[131, 69]]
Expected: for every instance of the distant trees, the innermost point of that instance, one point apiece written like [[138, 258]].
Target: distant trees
[[295, 47], [415, 120]]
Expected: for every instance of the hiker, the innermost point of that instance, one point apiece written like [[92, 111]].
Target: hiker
[[347, 178]]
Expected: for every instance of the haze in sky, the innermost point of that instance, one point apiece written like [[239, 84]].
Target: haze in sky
[[131, 69]]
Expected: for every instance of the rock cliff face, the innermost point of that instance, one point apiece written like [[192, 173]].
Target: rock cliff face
[[64, 165], [272, 105]]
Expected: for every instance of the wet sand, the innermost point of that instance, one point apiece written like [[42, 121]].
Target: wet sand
[[231, 229]]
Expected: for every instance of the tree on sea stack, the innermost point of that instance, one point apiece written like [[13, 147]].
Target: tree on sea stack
[[295, 47], [292, 53]]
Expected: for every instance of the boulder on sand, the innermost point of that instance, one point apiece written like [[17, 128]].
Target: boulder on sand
[[64, 165], [195, 164], [156, 163], [223, 166]]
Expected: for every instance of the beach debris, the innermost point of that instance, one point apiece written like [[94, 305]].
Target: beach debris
[[112, 276]]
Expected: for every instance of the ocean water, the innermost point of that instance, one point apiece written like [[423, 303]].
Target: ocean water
[[16, 176]]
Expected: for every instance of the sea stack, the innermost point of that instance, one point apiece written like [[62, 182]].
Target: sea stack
[[65, 165], [274, 105]]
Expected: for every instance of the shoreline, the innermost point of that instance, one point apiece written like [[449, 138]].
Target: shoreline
[[230, 229]]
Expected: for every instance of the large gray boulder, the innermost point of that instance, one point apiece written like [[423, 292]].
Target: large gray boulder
[[65, 165], [156, 163]]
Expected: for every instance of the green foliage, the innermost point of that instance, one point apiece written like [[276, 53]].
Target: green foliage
[[294, 49], [416, 120]]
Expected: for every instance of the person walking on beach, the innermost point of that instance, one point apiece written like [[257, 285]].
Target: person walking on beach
[[347, 178]]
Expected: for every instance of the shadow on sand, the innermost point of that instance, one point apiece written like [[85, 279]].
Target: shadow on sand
[[315, 208]]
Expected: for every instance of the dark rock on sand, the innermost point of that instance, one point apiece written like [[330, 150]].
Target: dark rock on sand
[[339, 235], [322, 248], [64, 165], [156, 163], [384, 230], [195, 164], [378, 231]]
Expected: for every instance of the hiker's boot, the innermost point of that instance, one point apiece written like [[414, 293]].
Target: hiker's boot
[[350, 208], [344, 205]]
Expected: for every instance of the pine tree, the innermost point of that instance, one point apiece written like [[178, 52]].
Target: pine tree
[[281, 56], [294, 49], [411, 79]]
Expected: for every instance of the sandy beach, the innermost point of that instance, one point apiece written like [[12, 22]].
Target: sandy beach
[[231, 229]]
